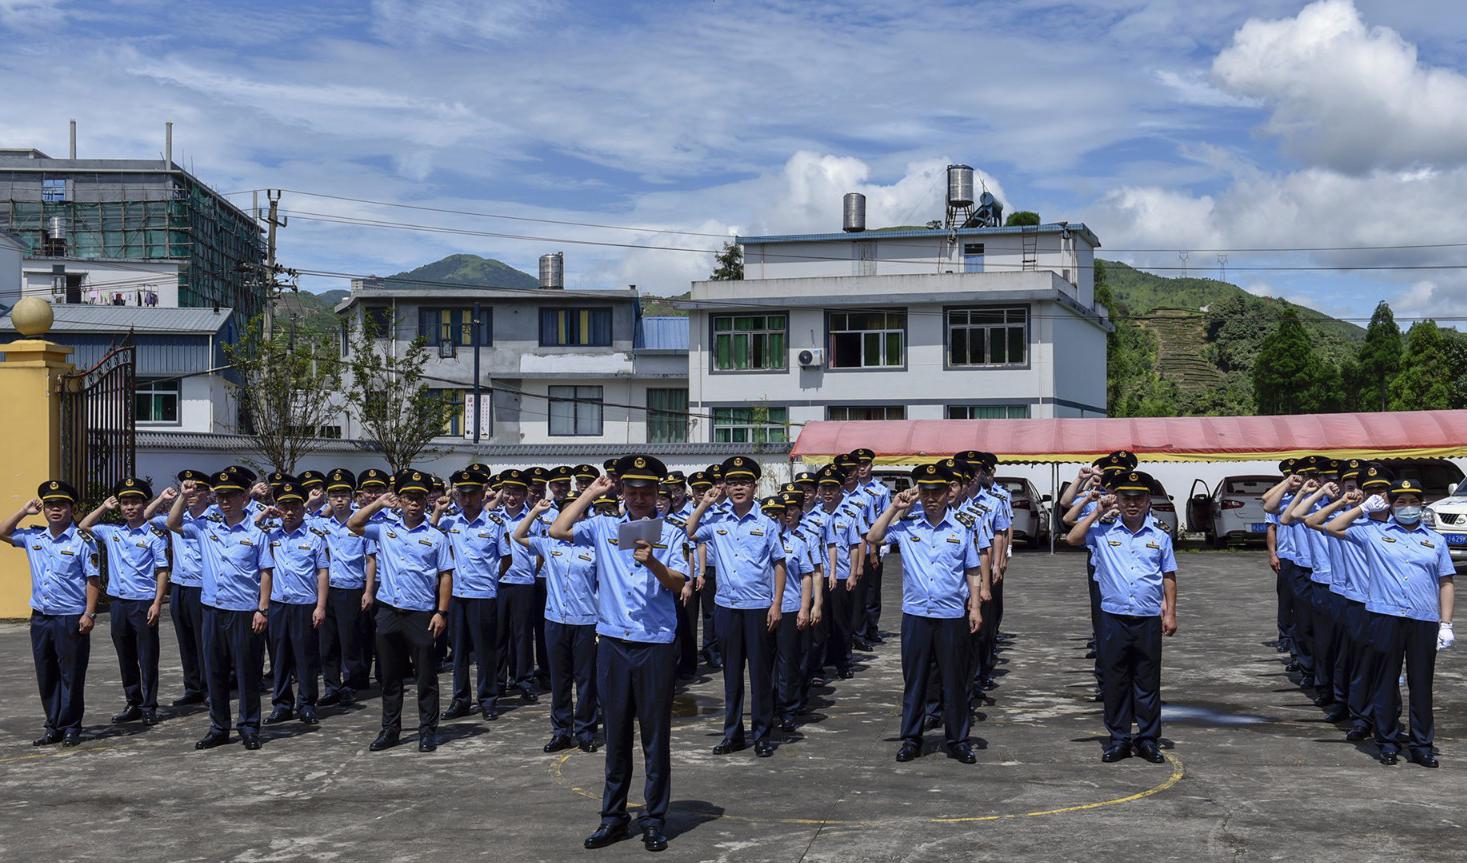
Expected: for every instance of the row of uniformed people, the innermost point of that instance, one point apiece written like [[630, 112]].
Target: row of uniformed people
[[1371, 589]]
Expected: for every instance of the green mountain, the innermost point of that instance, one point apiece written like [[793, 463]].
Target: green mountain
[[468, 270], [1187, 346]]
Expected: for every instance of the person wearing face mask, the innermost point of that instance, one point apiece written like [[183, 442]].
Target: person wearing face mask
[[1409, 607]]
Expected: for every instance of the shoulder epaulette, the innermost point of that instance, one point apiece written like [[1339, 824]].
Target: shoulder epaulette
[[676, 521], [86, 534], [318, 532]]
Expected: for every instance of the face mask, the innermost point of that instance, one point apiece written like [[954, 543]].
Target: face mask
[[1408, 514]]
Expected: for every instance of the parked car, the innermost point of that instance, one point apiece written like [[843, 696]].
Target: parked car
[[1448, 516], [1031, 511], [1232, 511]]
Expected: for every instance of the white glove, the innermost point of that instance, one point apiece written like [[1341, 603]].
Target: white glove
[[1445, 638], [1375, 503]]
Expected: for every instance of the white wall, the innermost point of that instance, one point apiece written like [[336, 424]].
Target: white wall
[[130, 279]]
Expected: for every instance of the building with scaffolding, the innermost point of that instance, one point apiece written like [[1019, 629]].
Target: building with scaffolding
[[129, 232]]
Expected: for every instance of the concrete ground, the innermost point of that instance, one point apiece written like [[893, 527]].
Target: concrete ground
[[1254, 773]]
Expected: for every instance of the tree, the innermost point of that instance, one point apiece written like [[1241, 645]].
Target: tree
[[1379, 359], [1423, 381], [729, 263], [399, 414], [286, 383], [1290, 377], [1022, 218]]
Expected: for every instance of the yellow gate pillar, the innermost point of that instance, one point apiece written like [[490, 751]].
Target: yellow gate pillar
[[30, 393]]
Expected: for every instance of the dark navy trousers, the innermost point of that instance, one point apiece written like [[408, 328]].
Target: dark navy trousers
[[871, 619], [746, 641], [1130, 663], [1094, 587], [343, 637], [473, 629], [297, 652], [572, 656], [537, 629], [1284, 586], [403, 636], [789, 672], [229, 645], [137, 650], [838, 635], [61, 655], [635, 680], [1394, 639], [687, 638], [1357, 669], [186, 608], [1303, 592], [1326, 638], [515, 606], [943, 642], [707, 605]]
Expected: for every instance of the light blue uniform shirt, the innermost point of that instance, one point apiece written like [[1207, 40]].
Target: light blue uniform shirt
[[522, 560], [1283, 539], [1129, 566], [233, 558], [408, 563], [1319, 555], [347, 553], [60, 566], [478, 546], [747, 549], [299, 554], [187, 567], [935, 563], [1347, 569], [799, 563], [631, 604], [134, 556], [1406, 568], [843, 530], [570, 580], [1003, 517]]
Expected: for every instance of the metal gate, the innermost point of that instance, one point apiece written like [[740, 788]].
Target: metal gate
[[98, 440]]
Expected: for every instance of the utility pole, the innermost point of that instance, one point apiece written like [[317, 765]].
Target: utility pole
[[478, 388], [272, 268]]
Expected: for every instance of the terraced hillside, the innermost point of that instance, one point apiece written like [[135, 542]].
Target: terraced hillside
[[1181, 339]]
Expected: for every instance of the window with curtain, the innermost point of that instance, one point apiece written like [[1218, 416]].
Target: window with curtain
[[749, 343], [574, 327], [866, 412], [667, 415], [453, 417], [442, 324], [751, 425], [575, 411], [987, 412], [156, 402]]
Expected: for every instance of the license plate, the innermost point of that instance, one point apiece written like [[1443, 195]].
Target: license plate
[[1258, 527], [1456, 538]]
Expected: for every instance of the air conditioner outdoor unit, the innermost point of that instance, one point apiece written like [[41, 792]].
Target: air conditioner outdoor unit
[[445, 349], [812, 358]]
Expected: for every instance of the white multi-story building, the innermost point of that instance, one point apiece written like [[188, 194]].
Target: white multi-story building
[[925, 323], [555, 366]]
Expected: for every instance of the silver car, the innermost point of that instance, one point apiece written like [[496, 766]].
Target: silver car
[[1232, 512], [1031, 511]]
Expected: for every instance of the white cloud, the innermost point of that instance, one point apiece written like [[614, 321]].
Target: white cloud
[[27, 14], [1193, 88], [1259, 288], [434, 21], [1344, 95]]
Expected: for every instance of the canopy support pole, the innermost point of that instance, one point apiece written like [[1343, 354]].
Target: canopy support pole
[[1053, 502]]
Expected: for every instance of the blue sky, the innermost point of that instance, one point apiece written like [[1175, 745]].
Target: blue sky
[[1162, 125]]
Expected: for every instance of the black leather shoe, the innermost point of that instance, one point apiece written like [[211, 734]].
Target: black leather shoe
[[1425, 759], [386, 740], [1149, 752], [962, 752], [279, 715], [931, 722], [725, 747], [1389, 759], [787, 726], [587, 746], [907, 753], [861, 646], [456, 710], [989, 685], [48, 738], [150, 717], [308, 717], [528, 695], [427, 741], [846, 675], [653, 840], [1089, 654], [1357, 733], [558, 743], [763, 748], [187, 699], [250, 741], [1112, 754], [1322, 700], [71, 738], [491, 713], [346, 699], [606, 834], [1335, 713], [212, 739], [329, 699], [130, 713], [1291, 667]]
